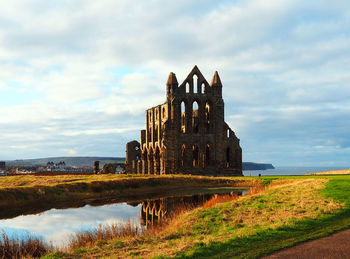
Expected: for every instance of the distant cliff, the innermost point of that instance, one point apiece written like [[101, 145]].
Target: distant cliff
[[256, 166]]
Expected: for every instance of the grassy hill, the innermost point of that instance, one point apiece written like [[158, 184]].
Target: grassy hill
[[70, 161], [88, 161]]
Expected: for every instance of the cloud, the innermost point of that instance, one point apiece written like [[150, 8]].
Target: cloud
[[71, 152], [79, 75]]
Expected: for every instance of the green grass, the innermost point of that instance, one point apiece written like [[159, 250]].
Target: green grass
[[266, 241], [56, 255], [295, 209], [338, 188]]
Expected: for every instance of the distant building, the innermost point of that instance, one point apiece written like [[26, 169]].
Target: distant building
[[2, 168], [2, 165], [52, 165]]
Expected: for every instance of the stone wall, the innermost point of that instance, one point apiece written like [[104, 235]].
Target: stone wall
[[187, 134]]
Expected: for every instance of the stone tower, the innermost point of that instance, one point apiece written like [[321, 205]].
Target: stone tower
[[187, 134]]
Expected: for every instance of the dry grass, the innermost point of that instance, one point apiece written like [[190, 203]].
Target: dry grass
[[22, 248], [104, 233], [334, 172], [274, 206], [216, 199], [24, 181]]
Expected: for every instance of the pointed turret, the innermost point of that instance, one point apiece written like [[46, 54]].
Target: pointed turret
[[216, 84], [216, 81], [172, 81], [171, 84]]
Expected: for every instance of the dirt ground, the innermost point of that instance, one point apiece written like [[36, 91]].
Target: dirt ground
[[335, 246]]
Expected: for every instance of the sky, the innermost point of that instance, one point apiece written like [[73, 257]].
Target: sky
[[77, 76]]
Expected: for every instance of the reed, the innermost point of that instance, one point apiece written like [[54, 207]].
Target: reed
[[104, 233], [220, 199], [129, 229], [29, 247], [256, 187]]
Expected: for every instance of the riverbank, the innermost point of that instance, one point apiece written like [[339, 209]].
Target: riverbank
[[32, 194], [288, 211]]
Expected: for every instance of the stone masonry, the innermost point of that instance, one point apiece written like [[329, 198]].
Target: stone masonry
[[187, 134]]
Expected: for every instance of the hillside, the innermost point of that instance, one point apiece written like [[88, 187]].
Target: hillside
[[88, 161], [70, 161]]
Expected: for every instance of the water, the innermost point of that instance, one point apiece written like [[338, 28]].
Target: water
[[56, 226], [290, 170]]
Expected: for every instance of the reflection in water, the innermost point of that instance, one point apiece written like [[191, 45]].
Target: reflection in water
[[153, 211], [56, 225]]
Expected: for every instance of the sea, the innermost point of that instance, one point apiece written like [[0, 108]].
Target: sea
[[290, 171]]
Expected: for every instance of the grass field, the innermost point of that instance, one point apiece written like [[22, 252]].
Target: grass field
[[320, 213], [281, 212], [287, 211], [335, 172], [27, 181]]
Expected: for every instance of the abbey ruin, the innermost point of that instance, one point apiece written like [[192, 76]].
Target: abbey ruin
[[187, 134]]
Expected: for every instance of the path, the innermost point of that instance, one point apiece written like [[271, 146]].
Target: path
[[334, 246]]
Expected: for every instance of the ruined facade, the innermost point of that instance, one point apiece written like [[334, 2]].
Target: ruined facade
[[187, 134]]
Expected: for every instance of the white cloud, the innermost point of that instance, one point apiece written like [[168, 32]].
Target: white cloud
[[91, 68], [19, 147], [70, 152], [96, 132]]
